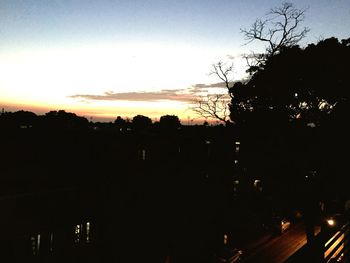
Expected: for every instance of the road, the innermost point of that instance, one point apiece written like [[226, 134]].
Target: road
[[279, 248]]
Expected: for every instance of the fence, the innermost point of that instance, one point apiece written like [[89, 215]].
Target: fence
[[336, 249]]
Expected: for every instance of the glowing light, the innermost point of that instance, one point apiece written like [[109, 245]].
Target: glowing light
[[46, 77], [77, 231], [35, 241], [87, 232], [331, 222], [225, 239]]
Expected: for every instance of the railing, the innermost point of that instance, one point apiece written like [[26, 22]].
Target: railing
[[330, 245], [337, 247]]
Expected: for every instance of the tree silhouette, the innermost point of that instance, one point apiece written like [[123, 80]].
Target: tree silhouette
[[212, 106], [64, 120], [291, 114], [169, 122], [295, 85], [120, 123], [18, 119], [141, 123], [279, 29], [216, 106]]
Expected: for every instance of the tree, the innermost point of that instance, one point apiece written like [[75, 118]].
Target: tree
[[64, 120], [223, 72], [295, 84], [280, 29], [141, 123], [120, 123], [213, 106], [18, 119], [216, 106], [169, 122], [291, 114]]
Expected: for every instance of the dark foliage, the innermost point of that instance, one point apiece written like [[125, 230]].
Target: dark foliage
[[141, 123], [291, 114], [296, 84], [169, 122]]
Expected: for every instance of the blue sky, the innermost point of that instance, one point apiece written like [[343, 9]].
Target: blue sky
[[115, 52]]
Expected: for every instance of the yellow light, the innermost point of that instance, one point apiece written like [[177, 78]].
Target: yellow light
[[225, 239], [330, 222]]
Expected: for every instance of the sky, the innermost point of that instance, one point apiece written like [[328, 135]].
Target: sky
[[107, 58]]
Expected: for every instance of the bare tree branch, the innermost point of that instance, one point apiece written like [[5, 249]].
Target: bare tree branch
[[280, 28], [216, 106], [254, 60], [212, 106], [224, 72]]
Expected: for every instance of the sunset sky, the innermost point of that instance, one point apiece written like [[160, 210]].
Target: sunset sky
[[105, 58]]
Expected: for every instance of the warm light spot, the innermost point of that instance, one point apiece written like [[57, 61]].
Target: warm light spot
[[47, 77], [331, 222], [225, 239]]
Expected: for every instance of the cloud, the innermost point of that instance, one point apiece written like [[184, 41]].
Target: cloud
[[177, 95], [208, 86], [183, 95]]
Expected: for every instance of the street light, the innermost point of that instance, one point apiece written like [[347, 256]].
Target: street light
[[330, 222]]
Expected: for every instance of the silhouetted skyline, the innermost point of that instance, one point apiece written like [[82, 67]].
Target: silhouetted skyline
[[102, 58]]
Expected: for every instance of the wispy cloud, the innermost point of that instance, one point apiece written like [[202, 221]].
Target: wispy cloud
[[183, 95], [209, 86], [137, 96]]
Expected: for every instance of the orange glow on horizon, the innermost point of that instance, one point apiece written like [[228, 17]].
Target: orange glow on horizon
[[110, 113]]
